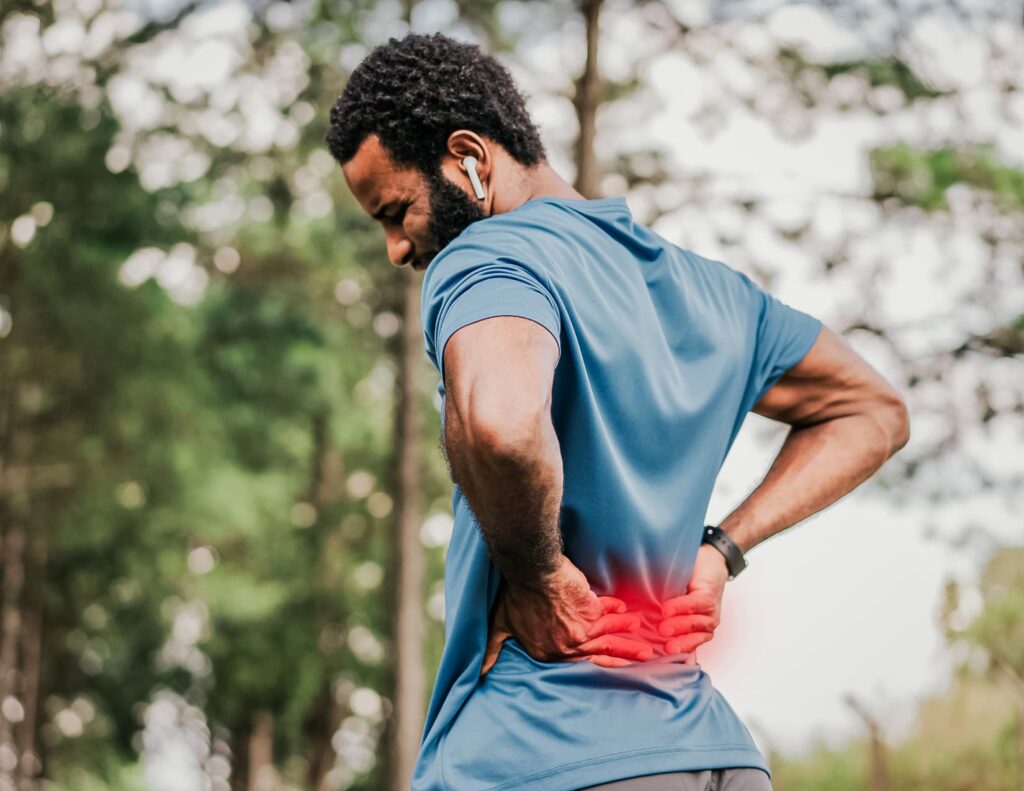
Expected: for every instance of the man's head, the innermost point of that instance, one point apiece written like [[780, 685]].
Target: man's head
[[411, 113]]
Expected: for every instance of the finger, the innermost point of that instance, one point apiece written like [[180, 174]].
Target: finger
[[681, 624], [691, 658], [611, 604], [617, 645], [688, 603], [603, 660], [493, 650], [626, 622], [687, 643]]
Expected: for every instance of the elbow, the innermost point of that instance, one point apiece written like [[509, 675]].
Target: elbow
[[894, 416], [509, 440], [497, 435], [903, 436]]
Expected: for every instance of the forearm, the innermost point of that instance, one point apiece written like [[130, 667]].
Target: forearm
[[817, 465], [515, 492]]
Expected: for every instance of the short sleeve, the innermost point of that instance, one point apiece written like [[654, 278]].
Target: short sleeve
[[454, 296], [784, 336]]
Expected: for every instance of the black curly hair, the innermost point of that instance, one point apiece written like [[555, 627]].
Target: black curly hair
[[415, 91]]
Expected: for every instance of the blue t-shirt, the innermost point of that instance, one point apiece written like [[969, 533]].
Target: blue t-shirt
[[662, 355]]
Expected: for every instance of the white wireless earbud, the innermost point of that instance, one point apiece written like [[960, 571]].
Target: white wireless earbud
[[474, 177]]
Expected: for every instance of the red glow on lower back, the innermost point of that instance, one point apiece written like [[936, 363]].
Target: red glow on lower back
[[714, 652]]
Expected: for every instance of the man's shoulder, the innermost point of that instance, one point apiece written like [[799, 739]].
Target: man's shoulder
[[513, 228], [499, 237]]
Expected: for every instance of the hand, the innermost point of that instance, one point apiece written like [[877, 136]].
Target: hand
[[691, 619], [561, 618]]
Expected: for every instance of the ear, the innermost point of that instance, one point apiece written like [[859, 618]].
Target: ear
[[463, 143]]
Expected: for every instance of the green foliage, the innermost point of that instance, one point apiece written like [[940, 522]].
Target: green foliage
[[825, 769], [112, 776], [891, 71], [227, 427], [921, 178], [962, 741], [885, 71], [999, 628], [112, 407]]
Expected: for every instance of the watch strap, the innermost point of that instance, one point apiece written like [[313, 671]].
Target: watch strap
[[720, 540]]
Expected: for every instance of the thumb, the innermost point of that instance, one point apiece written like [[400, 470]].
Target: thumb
[[494, 642], [497, 634]]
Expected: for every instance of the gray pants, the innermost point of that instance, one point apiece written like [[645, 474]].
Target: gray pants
[[745, 779]]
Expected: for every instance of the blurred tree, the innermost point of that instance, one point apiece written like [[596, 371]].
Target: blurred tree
[[99, 432], [281, 367], [878, 772], [996, 629], [408, 680], [586, 99]]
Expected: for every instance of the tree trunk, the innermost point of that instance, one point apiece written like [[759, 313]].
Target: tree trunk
[[15, 480], [261, 753], [410, 678], [878, 771], [325, 719], [10, 634], [325, 487], [586, 101], [239, 759], [25, 734], [32, 659]]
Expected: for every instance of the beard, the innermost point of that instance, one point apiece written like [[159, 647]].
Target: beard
[[451, 209]]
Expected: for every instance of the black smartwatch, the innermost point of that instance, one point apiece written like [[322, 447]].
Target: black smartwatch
[[733, 555]]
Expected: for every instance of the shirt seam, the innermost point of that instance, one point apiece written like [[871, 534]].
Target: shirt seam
[[487, 314]]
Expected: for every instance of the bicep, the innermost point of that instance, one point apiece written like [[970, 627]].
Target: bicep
[[831, 381], [498, 375]]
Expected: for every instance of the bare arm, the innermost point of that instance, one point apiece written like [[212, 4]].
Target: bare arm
[[846, 422], [501, 444]]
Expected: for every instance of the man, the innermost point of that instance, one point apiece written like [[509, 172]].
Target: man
[[593, 377]]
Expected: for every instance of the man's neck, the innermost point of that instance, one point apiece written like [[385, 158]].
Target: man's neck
[[537, 182]]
